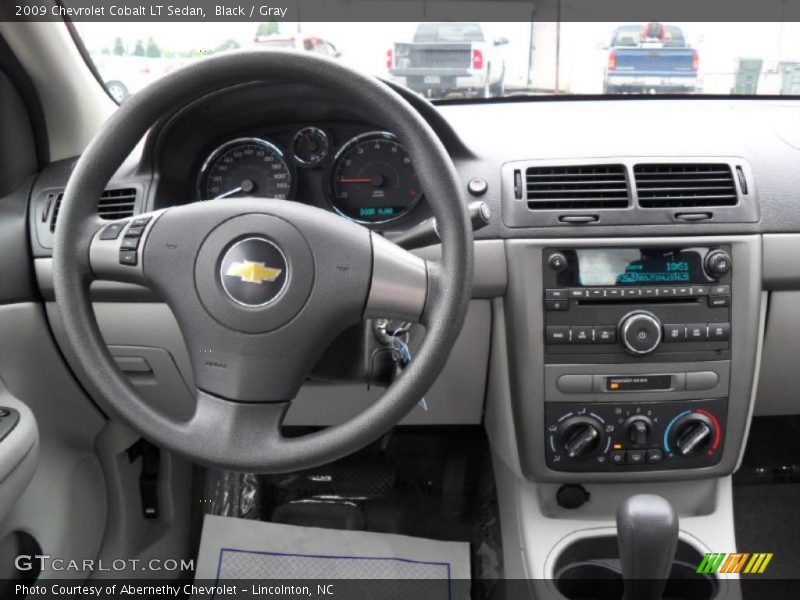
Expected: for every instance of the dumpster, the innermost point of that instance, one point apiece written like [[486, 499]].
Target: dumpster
[[790, 78], [748, 70]]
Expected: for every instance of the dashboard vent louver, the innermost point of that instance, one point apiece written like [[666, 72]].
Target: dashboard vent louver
[[116, 204], [576, 187], [688, 185], [113, 204]]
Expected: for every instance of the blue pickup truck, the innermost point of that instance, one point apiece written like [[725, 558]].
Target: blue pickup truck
[[650, 59]]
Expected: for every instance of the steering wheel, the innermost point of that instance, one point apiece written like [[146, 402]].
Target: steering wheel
[[259, 287]]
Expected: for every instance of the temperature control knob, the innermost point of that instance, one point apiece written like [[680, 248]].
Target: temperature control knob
[[640, 332], [718, 263], [581, 437], [692, 434]]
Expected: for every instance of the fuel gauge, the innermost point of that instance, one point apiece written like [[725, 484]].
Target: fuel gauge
[[310, 146]]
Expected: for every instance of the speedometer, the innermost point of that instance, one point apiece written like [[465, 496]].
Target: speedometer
[[373, 180], [245, 167]]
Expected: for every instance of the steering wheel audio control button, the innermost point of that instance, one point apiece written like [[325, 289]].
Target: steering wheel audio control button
[[111, 232], [141, 222], [129, 243], [128, 258]]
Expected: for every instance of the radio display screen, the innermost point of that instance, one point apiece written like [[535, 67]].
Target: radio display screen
[[638, 266]]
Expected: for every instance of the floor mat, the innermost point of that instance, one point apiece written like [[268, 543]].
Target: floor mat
[[767, 519], [766, 506], [233, 550]]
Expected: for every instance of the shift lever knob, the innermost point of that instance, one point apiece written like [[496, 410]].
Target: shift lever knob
[[647, 533]]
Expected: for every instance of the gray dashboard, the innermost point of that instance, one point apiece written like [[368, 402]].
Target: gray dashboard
[[486, 141]]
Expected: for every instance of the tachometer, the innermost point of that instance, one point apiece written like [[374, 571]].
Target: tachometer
[[373, 180], [245, 167]]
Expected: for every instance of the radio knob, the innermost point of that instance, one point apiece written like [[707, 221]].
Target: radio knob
[[557, 261], [718, 263], [581, 437], [640, 332]]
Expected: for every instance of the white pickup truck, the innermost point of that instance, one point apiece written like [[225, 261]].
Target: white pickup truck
[[447, 58]]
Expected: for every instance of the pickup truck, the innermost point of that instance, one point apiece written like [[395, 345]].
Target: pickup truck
[[446, 58], [653, 58]]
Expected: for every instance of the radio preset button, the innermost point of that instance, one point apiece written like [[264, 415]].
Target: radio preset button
[[557, 335], [596, 293], [605, 335], [683, 291], [697, 331], [665, 291], [577, 293], [613, 293], [674, 333], [631, 292], [719, 332], [649, 292]]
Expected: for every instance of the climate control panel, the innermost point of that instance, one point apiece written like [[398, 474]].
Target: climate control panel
[[645, 436]]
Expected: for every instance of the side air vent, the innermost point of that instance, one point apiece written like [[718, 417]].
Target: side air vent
[[113, 204], [116, 204], [576, 187], [689, 185]]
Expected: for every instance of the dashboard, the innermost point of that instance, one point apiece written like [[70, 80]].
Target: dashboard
[[619, 271]]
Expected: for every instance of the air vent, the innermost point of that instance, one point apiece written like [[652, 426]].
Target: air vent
[[113, 204], [689, 185], [577, 187], [116, 204]]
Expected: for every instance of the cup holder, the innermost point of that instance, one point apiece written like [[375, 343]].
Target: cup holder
[[589, 569]]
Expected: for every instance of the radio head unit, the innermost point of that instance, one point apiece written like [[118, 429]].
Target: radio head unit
[[619, 304]]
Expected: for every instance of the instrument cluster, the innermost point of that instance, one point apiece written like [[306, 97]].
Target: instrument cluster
[[366, 177]]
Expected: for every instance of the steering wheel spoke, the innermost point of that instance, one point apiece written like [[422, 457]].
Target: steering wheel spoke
[[400, 282], [116, 249]]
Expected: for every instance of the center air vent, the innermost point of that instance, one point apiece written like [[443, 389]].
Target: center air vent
[[577, 187], [113, 204], [688, 185]]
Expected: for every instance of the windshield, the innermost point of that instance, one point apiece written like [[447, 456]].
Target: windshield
[[474, 60]]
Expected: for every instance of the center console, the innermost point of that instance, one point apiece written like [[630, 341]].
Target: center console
[[610, 306], [632, 359]]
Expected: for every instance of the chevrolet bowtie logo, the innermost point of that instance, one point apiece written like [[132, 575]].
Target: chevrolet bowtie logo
[[253, 272]]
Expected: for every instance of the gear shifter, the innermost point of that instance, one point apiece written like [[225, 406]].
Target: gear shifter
[[647, 533]]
